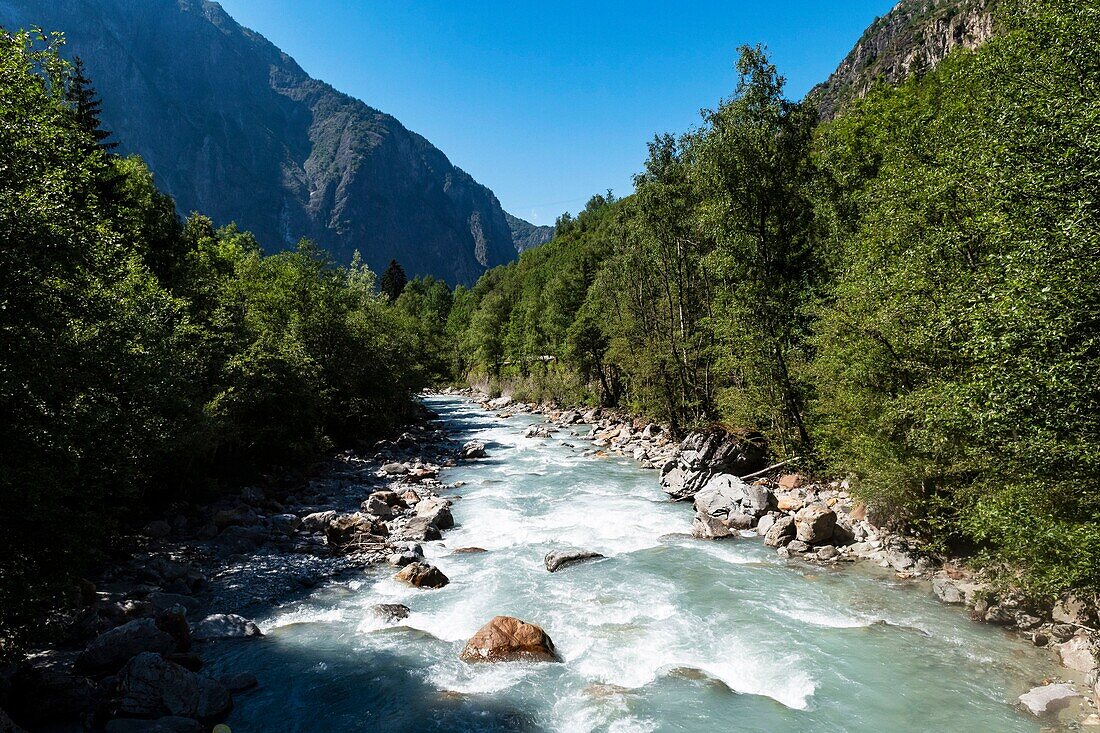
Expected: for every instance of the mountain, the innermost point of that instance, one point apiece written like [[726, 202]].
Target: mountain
[[234, 128], [526, 235], [913, 37]]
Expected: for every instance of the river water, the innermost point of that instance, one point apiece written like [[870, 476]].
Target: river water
[[667, 633]]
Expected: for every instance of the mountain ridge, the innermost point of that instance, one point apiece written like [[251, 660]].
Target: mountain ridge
[[232, 126]]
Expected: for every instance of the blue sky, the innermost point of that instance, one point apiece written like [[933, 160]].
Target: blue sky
[[548, 103]]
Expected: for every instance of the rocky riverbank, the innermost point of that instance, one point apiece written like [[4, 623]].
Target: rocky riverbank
[[734, 494], [131, 658]]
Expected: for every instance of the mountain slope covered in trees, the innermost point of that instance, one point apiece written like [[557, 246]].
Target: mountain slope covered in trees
[[907, 295], [233, 127]]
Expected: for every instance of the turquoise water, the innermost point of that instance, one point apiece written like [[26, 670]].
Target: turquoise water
[[668, 633]]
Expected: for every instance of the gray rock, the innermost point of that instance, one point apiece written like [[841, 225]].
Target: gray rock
[[473, 449], [109, 651], [377, 506], [1062, 632], [537, 431], [706, 527], [826, 552], [1072, 609], [766, 522], [797, 546], [152, 687], [395, 469], [423, 575], [724, 494], [1078, 652], [390, 612], [947, 590], [782, 532], [437, 511], [706, 453], [286, 524], [401, 559], [1040, 701], [814, 524], [419, 529], [225, 626], [557, 559]]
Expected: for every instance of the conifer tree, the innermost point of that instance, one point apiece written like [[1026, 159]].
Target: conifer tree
[[394, 281]]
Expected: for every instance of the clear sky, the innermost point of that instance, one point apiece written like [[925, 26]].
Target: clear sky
[[548, 102]]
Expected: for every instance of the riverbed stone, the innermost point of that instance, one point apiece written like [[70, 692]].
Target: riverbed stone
[[353, 529], [423, 575], [706, 527], [376, 506], [782, 532], [814, 524], [1073, 609], [152, 687], [109, 651], [557, 559], [317, 521], [766, 522], [419, 529], [1077, 653], [797, 547], [1045, 699], [225, 626], [390, 612], [508, 639], [473, 449], [437, 511]]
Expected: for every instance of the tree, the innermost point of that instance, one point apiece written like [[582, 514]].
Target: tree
[[86, 106], [394, 281]]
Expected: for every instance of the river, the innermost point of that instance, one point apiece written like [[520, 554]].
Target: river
[[668, 633]]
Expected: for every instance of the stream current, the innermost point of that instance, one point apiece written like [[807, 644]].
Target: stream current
[[667, 633]]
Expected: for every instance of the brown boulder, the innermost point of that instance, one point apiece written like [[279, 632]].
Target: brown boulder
[[507, 639], [423, 575], [815, 524]]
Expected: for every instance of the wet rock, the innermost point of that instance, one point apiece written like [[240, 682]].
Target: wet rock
[[507, 639], [557, 559], [437, 511], [782, 532], [469, 551], [166, 601], [797, 546], [152, 687], [286, 524], [814, 524], [239, 682], [826, 552], [169, 724], [1040, 701], [724, 494], [109, 651], [225, 626], [423, 575], [390, 612], [473, 449], [537, 431]]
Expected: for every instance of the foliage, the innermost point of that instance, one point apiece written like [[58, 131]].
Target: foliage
[[143, 356]]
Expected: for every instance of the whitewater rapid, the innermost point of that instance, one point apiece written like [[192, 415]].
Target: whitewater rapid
[[667, 633]]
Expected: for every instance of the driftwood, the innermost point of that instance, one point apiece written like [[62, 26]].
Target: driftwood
[[751, 475]]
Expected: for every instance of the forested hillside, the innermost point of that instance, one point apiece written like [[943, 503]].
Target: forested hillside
[[908, 296], [145, 359]]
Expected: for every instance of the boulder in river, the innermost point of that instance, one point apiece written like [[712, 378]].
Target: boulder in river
[[390, 612], [437, 511], [109, 651], [705, 453], [225, 626], [706, 527], [557, 559], [814, 524], [508, 639], [1046, 699], [423, 575], [782, 532], [152, 687], [473, 449], [353, 529], [725, 494], [417, 529]]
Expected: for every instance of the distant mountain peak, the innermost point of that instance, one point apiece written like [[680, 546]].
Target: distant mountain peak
[[232, 126]]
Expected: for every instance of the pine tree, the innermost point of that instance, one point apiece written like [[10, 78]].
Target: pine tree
[[394, 280], [86, 106]]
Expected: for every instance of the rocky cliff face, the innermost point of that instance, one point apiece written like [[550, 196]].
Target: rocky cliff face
[[913, 37], [526, 235], [233, 127]]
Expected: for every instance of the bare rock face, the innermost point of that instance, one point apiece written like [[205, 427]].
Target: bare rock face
[[423, 575], [507, 639], [705, 454], [152, 687], [814, 524]]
